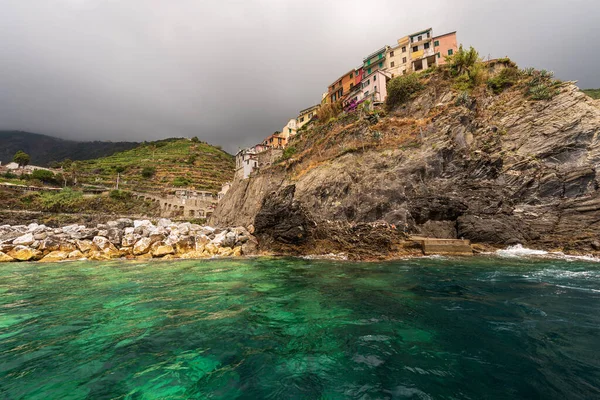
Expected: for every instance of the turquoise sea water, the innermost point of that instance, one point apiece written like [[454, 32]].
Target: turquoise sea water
[[481, 328]]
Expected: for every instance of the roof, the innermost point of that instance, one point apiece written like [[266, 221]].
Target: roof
[[445, 34], [342, 77], [309, 109], [381, 50], [420, 32]]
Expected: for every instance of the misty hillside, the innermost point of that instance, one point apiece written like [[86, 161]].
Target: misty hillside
[[44, 149]]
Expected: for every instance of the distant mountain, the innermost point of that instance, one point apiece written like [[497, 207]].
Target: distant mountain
[[44, 149]]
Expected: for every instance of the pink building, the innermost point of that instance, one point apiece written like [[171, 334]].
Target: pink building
[[374, 86], [444, 46]]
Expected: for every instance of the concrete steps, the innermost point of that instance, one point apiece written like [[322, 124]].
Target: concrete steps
[[449, 247]]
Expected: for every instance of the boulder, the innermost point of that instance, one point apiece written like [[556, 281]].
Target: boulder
[[186, 244], [237, 251], [102, 244], [96, 255], [84, 245], [129, 239], [76, 255], [67, 246], [24, 240], [211, 249], [49, 244], [145, 256], [164, 222], [40, 236], [55, 256], [23, 253], [115, 235], [5, 257], [142, 246], [193, 255], [250, 248], [161, 249]]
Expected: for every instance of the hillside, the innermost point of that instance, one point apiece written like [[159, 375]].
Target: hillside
[[493, 154], [162, 165], [593, 93], [45, 149]]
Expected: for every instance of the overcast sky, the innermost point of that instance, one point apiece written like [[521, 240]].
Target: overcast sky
[[232, 72]]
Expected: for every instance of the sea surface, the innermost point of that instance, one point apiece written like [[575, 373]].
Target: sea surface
[[478, 328]]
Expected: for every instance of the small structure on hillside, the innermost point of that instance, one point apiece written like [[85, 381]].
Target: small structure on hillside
[[224, 189]]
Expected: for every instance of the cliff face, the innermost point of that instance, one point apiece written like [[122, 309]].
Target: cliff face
[[495, 169]]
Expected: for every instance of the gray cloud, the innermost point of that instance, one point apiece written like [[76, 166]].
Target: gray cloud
[[232, 72]]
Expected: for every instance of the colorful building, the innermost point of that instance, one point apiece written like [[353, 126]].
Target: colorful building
[[444, 46], [398, 58], [422, 54], [342, 86], [306, 115], [374, 86], [276, 141], [290, 129], [375, 60]]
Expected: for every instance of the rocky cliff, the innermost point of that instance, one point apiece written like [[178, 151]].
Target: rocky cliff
[[498, 167]]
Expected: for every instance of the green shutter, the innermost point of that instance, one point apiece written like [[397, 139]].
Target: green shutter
[[436, 43], [380, 65], [450, 52], [369, 71]]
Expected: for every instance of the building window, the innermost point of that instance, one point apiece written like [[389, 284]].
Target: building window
[[381, 65], [416, 48], [428, 34], [302, 119], [380, 56], [403, 60], [420, 38], [375, 89], [369, 62], [369, 71], [351, 85], [436, 43], [289, 130], [392, 64], [450, 52], [426, 45], [351, 76], [374, 78], [439, 55], [404, 49], [391, 54]]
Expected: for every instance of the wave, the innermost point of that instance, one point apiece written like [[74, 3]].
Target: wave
[[518, 251]]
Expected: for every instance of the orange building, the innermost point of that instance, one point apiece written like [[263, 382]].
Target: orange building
[[444, 46], [276, 141], [341, 87]]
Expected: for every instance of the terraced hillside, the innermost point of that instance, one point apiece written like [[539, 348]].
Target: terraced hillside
[[160, 166]]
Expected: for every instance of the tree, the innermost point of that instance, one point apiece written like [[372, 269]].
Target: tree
[[119, 169], [148, 172], [21, 158], [43, 175], [463, 61]]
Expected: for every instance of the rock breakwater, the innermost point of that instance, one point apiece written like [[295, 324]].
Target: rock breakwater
[[123, 238]]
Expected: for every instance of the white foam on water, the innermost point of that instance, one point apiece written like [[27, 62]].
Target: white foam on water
[[520, 251]]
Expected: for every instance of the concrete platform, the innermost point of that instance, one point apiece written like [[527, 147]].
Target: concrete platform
[[450, 247]]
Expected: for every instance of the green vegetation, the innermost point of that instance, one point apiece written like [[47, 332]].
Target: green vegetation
[[541, 86], [21, 158], [148, 172], [159, 166], [593, 93], [68, 200], [506, 78], [288, 153], [44, 176], [467, 69], [329, 111], [401, 89]]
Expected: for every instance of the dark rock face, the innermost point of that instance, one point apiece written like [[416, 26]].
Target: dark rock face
[[503, 171], [281, 218]]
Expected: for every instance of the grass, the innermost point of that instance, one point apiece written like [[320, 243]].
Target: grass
[[593, 93]]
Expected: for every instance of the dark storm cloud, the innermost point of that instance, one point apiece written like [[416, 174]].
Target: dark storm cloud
[[232, 72]]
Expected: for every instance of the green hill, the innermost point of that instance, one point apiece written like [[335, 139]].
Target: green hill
[[161, 166], [44, 149], [593, 93]]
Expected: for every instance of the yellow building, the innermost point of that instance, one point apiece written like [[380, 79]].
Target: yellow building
[[397, 61], [306, 115]]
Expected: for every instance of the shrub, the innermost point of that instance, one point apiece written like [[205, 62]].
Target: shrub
[[66, 200], [463, 61], [148, 172], [463, 99], [540, 92], [119, 195], [10, 175], [329, 111], [401, 89], [43, 175], [181, 181], [503, 80], [288, 152]]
